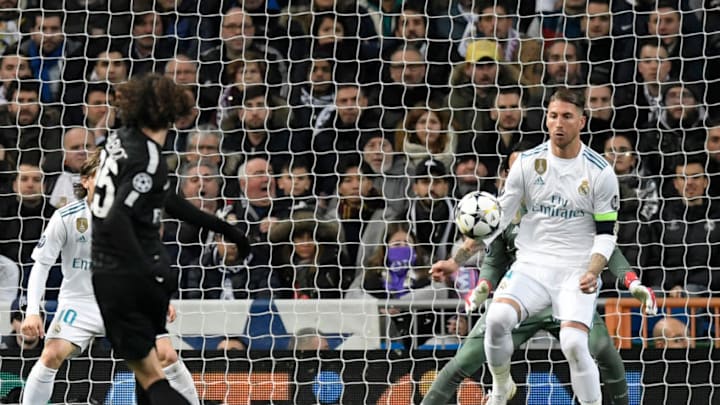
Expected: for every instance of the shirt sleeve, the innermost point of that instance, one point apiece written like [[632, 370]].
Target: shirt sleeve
[[45, 255], [607, 197], [512, 194], [496, 261]]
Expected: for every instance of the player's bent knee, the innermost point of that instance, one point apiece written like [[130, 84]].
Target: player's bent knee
[[573, 343], [501, 318], [166, 352], [55, 352]]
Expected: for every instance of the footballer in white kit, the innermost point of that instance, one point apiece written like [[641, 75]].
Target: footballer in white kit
[[565, 201], [77, 318]]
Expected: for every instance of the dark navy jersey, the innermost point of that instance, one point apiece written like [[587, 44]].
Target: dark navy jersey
[[132, 177]]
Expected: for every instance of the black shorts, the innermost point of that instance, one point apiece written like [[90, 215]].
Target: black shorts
[[134, 309]]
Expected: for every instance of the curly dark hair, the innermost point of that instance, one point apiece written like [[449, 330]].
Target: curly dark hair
[[152, 101]]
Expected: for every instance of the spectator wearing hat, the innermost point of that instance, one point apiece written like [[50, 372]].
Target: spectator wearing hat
[[474, 85], [426, 132], [15, 340], [306, 255], [677, 132], [432, 210], [386, 169]]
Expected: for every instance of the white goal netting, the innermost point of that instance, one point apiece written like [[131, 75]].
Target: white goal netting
[[340, 134]]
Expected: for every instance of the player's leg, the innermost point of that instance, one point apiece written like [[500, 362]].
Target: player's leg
[[471, 356], [175, 370], [517, 297], [40, 382], [151, 380], [576, 311], [612, 371]]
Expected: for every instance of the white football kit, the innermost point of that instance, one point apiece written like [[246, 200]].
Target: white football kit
[[69, 233], [563, 199]]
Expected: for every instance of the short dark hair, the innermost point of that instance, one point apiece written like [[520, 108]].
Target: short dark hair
[[568, 95], [98, 87], [152, 101], [22, 85], [647, 41]]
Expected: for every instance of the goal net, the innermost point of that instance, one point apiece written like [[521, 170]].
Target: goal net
[[339, 135]]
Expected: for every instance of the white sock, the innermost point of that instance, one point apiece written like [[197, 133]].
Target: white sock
[[584, 373], [501, 318], [181, 380], [39, 385]]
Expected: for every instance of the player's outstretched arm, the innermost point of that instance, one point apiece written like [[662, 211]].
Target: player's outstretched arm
[[443, 268], [181, 209], [620, 267]]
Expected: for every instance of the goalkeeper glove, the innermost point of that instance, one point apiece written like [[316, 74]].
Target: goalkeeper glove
[[476, 298], [643, 294]]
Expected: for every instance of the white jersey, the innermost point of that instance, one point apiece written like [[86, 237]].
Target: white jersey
[[563, 198], [68, 234]]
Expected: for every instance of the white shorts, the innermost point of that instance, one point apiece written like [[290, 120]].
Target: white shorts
[[78, 322], [567, 301]]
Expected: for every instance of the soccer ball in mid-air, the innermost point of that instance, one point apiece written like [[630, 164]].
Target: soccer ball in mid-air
[[477, 214]]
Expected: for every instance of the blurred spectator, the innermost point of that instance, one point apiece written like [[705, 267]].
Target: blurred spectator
[[12, 67], [336, 34], [9, 279], [180, 20], [27, 128], [149, 48], [296, 185], [712, 147], [386, 169], [251, 130], [183, 126], [405, 85], [563, 66], [202, 143], [231, 343], [111, 66], [238, 37], [23, 216], [337, 132], [314, 93], [432, 210], [678, 131], [688, 236], [474, 86], [426, 133], [360, 209], [398, 267], [306, 256], [241, 74], [670, 333], [600, 116], [494, 22], [15, 340], [77, 143], [98, 112], [456, 329], [54, 59], [641, 102], [608, 57], [683, 42], [10, 21], [469, 176], [6, 171], [182, 69], [565, 21], [255, 209], [308, 339], [639, 204]]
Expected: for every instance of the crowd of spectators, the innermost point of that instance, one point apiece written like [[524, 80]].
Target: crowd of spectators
[[341, 133]]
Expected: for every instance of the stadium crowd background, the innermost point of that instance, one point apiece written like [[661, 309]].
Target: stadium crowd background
[[340, 134]]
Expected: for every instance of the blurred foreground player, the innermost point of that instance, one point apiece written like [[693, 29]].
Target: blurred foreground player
[[132, 277]]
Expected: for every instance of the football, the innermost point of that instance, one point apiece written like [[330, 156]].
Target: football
[[477, 214]]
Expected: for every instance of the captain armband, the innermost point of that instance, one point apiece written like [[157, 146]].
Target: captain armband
[[605, 238]]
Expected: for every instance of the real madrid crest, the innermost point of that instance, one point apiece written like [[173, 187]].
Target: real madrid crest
[[540, 166], [81, 224], [584, 188], [57, 327]]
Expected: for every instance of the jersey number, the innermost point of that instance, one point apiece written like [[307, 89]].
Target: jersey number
[[104, 186]]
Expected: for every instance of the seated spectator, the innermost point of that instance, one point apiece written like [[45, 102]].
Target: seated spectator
[[314, 93], [182, 70], [149, 48], [23, 216], [688, 236], [600, 116], [670, 333], [202, 143], [98, 115], [426, 133], [77, 144], [306, 256], [563, 66], [12, 67], [296, 184], [565, 21], [639, 204], [16, 340], [11, 19], [684, 43], [712, 147], [398, 268], [432, 209], [456, 329], [308, 339], [470, 175], [387, 170], [231, 343]]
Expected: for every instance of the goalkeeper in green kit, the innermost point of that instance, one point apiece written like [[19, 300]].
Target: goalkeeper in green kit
[[471, 355]]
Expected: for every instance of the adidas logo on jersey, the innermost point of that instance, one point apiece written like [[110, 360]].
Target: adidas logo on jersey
[[82, 238], [539, 182]]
